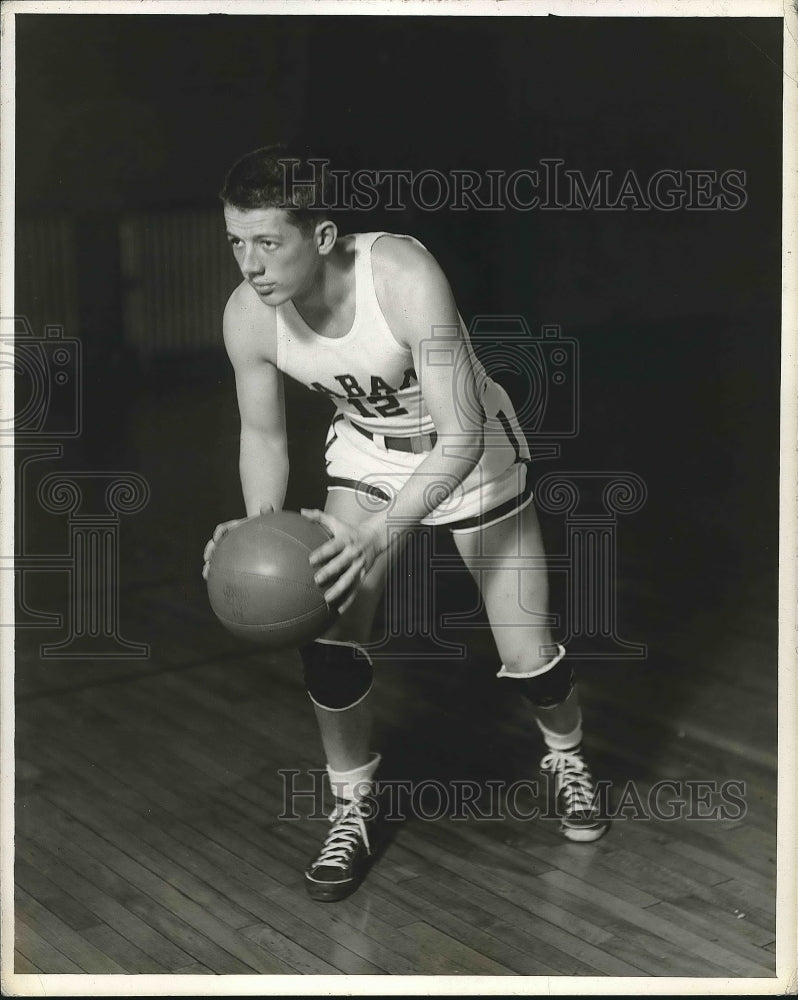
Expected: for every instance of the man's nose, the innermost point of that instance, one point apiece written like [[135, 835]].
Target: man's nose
[[250, 265]]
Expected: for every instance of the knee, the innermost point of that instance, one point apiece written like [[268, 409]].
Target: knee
[[338, 675], [552, 687], [547, 687]]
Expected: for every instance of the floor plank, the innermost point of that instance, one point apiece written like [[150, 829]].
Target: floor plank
[[38, 950], [299, 958], [666, 930], [720, 862], [62, 937], [24, 967], [381, 945], [163, 909], [577, 912], [208, 922], [154, 850], [452, 957], [566, 953], [710, 928], [161, 954]]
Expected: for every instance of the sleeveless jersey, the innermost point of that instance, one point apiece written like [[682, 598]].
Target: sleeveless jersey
[[370, 377]]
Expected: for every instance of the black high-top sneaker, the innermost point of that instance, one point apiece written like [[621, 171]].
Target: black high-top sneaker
[[347, 852], [576, 795]]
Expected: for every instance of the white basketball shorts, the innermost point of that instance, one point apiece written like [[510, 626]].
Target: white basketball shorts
[[494, 489]]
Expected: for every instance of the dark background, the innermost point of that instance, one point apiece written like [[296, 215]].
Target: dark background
[[677, 314]]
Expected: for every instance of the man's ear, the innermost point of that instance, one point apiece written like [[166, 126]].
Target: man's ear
[[326, 236]]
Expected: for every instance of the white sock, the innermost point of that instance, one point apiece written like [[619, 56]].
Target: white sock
[[354, 784], [559, 741]]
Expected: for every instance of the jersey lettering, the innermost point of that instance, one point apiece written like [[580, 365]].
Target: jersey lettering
[[379, 387], [410, 376], [387, 406], [361, 408], [350, 385], [382, 396]]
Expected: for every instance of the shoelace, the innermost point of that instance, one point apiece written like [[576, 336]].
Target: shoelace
[[348, 827], [572, 778]]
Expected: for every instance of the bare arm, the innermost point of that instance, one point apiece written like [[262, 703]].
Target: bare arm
[[263, 457], [418, 303], [420, 308]]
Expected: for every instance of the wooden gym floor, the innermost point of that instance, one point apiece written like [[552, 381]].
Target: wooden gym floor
[[148, 793]]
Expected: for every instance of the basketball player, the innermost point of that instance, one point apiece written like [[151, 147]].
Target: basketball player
[[421, 435]]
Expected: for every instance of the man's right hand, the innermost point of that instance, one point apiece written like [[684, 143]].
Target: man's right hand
[[221, 530]]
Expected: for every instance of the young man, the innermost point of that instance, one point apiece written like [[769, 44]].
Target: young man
[[421, 435]]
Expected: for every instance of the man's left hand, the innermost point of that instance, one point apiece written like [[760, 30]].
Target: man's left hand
[[343, 561]]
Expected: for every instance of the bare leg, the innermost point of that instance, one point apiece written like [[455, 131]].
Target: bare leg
[[346, 734], [516, 597], [348, 850]]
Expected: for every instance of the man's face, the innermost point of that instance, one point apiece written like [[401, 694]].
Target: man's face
[[275, 257]]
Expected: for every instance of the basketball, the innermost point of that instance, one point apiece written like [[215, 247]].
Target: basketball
[[260, 583]]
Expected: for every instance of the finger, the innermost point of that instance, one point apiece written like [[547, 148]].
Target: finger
[[344, 594], [205, 570], [207, 552], [350, 600], [337, 565], [222, 529], [343, 608], [350, 578], [327, 551]]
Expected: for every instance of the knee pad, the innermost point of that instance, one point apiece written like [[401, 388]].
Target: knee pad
[[548, 688], [551, 688], [337, 674]]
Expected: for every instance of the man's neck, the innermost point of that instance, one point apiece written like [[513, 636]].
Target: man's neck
[[330, 292], [331, 286]]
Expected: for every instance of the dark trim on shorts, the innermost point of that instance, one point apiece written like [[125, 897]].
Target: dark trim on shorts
[[333, 439], [358, 487], [495, 513], [466, 523]]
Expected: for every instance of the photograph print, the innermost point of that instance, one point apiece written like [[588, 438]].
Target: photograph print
[[392, 571]]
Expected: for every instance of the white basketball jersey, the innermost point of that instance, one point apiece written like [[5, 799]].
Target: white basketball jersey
[[370, 377]]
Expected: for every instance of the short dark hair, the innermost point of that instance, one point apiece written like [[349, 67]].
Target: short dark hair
[[280, 176]]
